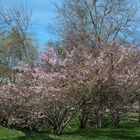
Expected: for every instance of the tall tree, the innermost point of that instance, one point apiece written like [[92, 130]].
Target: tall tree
[[17, 43], [98, 20]]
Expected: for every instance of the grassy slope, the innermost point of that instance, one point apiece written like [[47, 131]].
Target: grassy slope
[[128, 130], [8, 134]]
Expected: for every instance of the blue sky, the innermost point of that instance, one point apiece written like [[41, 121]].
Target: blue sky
[[44, 13]]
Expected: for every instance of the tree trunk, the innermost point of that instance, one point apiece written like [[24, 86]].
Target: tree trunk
[[116, 118], [139, 112], [57, 130], [4, 121], [83, 118], [83, 122], [97, 120]]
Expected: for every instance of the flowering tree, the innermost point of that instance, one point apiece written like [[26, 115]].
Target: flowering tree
[[73, 82], [121, 66]]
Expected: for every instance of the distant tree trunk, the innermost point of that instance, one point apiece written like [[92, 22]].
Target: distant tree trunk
[[4, 121], [83, 122], [83, 118], [116, 118], [139, 112], [96, 121]]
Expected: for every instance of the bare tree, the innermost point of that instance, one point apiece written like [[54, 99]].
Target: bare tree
[[98, 20], [16, 43]]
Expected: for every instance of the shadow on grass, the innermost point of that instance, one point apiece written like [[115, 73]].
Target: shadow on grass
[[109, 134], [36, 136], [88, 134], [126, 131], [33, 135]]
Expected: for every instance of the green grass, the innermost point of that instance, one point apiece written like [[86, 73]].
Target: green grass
[[7, 134], [128, 130]]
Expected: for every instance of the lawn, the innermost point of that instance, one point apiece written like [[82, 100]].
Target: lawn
[[8, 134], [128, 130]]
